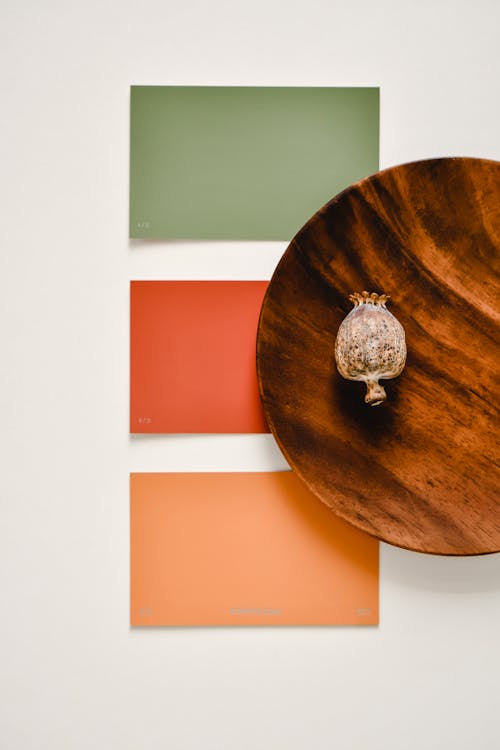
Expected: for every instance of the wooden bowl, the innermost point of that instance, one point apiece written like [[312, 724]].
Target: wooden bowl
[[422, 470]]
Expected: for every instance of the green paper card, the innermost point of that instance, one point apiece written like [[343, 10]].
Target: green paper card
[[244, 163]]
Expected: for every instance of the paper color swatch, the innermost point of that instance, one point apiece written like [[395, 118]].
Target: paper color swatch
[[245, 549], [192, 363], [230, 162]]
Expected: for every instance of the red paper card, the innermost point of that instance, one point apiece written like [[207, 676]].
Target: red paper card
[[192, 357]]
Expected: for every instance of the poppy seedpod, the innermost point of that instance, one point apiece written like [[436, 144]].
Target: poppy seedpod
[[370, 344]]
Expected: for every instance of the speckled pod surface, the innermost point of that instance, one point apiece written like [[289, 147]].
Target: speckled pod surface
[[370, 344]]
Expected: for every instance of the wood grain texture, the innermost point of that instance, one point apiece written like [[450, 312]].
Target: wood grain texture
[[422, 470]]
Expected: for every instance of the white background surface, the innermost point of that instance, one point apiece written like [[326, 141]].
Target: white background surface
[[73, 674]]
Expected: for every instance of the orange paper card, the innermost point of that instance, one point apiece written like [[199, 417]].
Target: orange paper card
[[192, 356], [245, 549]]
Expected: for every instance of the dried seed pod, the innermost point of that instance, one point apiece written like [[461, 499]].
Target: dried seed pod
[[370, 344]]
